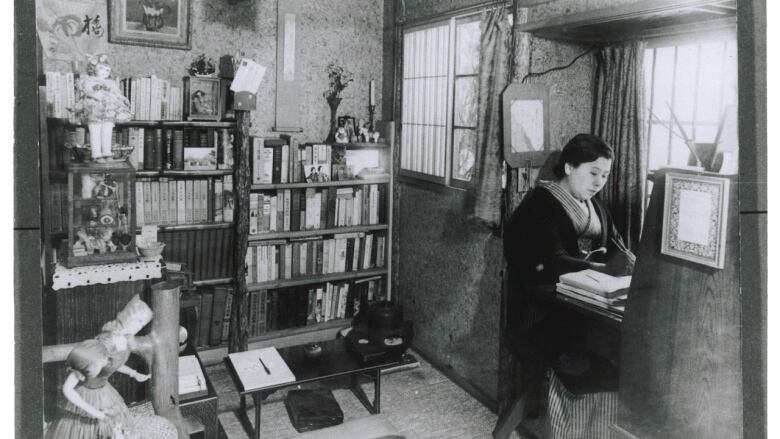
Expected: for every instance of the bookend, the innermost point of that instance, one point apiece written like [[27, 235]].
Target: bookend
[[312, 409]]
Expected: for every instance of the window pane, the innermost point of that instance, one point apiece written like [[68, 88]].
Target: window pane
[[710, 93], [465, 142], [664, 79], [466, 101], [658, 148], [467, 36], [685, 83], [423, 110]]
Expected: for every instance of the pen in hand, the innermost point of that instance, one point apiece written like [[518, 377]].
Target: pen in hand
[[264, 366]]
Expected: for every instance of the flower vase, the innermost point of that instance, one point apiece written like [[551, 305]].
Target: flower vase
[[334, 106]]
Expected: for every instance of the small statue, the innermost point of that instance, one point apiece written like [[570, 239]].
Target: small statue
[[94, 409], [100, 103], [341, 135]]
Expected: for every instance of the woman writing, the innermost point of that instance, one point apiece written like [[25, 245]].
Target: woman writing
[[561, 227]]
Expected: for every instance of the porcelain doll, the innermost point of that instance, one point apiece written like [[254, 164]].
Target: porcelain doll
[[100, 103], [93, 408]]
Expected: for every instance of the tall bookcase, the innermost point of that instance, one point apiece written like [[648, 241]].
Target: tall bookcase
[[319, 248]]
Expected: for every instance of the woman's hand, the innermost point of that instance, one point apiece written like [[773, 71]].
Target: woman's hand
[[622, 264]]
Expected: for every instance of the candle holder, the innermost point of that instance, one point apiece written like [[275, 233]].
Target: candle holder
[[371, 109]]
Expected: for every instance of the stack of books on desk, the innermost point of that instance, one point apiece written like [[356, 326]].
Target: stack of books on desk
[[595, 289]]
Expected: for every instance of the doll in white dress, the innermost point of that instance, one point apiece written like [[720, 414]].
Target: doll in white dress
[[100, 103]]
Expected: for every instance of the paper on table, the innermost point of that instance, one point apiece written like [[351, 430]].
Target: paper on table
[[250, 369], [248, 77], [191, 378]]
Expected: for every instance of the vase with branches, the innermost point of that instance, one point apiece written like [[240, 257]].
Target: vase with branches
[[339, 79]]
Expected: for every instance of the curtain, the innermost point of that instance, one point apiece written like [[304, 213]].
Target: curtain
[[494, 71], [619, 119]]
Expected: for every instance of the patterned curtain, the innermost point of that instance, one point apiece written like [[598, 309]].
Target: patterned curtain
[[494, 72], [619, 119]]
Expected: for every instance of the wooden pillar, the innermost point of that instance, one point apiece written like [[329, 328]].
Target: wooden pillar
[[160, 349], [239, 319]]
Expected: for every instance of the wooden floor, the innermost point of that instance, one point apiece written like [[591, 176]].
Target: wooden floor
[[420, 402]]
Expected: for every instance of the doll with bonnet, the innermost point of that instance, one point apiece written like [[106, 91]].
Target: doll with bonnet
[[100, 103], [93, 408]]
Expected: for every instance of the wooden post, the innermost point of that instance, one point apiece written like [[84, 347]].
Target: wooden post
[[239, 319], [160, 349]]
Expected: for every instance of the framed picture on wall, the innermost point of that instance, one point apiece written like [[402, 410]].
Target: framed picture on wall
[[157, 23], [526, 121], [695, 218], [203, 98]]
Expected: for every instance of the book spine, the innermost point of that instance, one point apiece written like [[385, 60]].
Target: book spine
[[207, 300], [217, 315], [163, 188]]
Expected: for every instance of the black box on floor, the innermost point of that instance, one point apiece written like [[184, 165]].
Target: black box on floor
[[312, 409]]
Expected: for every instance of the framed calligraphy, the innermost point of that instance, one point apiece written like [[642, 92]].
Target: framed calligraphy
[[158, 23], [695, 218]]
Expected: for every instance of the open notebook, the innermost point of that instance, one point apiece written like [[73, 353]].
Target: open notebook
[[261, 368], [597, 282]]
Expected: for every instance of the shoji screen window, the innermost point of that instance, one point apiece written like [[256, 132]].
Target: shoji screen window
[[438, 120]]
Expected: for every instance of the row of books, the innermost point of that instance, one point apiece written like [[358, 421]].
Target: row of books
[[60, 94], [344, 252], [178, 148], [205, 313], [313, 208], [152, 98], [277, 161], [208, 253], [166, 201]]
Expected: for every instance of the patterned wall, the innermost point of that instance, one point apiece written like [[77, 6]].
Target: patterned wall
[[348, 32]]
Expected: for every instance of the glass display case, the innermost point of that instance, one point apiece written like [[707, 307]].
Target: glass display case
[[101, 214]]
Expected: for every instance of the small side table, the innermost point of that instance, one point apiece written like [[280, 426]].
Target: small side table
[[200, 412]]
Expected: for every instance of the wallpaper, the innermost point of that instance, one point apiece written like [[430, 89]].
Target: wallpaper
[[347, 32]]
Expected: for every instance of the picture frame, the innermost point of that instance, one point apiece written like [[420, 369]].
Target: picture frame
[[695, 218], [200, 158], [203, 98], [526, 119], [160, 23], [350, 125]]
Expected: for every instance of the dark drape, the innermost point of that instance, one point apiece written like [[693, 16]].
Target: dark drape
[[619, 119], [494, 71]]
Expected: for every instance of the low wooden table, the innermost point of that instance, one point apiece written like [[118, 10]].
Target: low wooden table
[[335, 361]]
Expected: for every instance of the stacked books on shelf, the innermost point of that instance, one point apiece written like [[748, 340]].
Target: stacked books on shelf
[[152, 98], [163, 148], [284, 308], [596, 289], [60, 94], [167, 201], [206, 315], [344, 252], [316, 208]]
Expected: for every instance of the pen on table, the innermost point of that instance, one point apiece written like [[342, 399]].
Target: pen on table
[[264, 366]]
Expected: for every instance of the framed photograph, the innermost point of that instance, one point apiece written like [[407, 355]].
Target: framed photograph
[[695, 217], [526, 124], [200, 158], [349, 124], [203, 98], [157, 23]]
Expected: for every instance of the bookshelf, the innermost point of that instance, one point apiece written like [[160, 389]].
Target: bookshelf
[[318, 247]]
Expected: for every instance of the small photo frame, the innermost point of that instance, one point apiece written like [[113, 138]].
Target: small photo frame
[[150, 23], [350, 125], [203, 98], [200, 158], [695, 218]]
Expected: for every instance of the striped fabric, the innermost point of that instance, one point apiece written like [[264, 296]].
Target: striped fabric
[[587, 416], [586, 222]]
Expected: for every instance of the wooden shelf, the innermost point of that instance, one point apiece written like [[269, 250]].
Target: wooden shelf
[[356, 145], [303, 185], [192, 173], [330, 324], [153, 123], [182, 227], [319, 278], [315, 232], [643, 19], [211, 282]]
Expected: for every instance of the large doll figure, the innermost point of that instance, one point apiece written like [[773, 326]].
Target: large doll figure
[[94, 409], [100, 103]]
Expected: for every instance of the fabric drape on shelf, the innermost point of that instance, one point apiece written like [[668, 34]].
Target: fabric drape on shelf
[[619, 119], [494, 72]]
